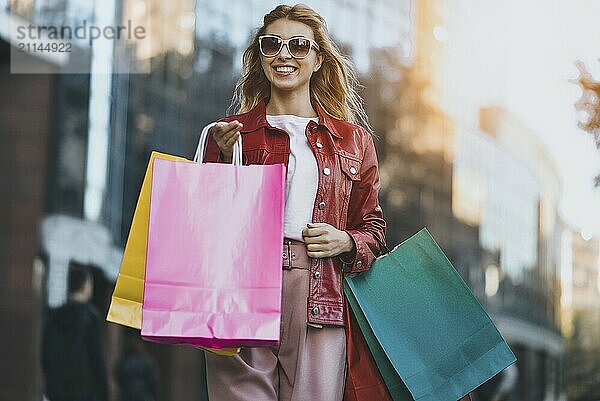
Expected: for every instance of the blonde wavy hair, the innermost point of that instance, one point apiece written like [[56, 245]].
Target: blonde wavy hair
[[335, 85]]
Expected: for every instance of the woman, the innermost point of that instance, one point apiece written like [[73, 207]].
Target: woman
[[297, 104]]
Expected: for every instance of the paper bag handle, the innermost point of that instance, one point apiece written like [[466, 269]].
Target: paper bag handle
[[201, 148]]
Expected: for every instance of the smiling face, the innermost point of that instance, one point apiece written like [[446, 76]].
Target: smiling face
[[285, 73]]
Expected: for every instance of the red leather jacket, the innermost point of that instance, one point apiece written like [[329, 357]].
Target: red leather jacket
[[347, 195]]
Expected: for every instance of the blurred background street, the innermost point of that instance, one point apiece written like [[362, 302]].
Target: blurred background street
[[485, 135]]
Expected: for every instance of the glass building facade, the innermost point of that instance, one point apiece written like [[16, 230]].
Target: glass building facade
[[507, 187]]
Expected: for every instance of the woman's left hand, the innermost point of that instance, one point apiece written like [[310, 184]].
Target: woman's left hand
[[324, 240]]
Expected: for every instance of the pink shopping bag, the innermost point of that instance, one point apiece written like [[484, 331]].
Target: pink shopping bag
[[213, 269]]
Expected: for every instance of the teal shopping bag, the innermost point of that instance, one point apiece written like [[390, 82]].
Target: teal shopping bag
[[392, 380], [433, 330]]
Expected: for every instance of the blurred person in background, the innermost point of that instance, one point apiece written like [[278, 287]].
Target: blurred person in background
[[137, 374], [73, 349]]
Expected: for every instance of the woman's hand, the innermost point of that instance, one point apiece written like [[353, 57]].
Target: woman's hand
[[324, 240], [225, 135]]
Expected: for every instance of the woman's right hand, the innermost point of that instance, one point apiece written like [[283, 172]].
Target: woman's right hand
[[225, 135]]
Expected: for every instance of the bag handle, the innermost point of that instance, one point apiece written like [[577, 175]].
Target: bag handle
[[201, 148], [382, 246]]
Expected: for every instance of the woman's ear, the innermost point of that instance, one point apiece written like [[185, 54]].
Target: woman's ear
[[319, 62]]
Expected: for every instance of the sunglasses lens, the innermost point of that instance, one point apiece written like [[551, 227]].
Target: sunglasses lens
[[299, 47], [270, 45]]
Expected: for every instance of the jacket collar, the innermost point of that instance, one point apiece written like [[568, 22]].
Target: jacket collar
[[257, 118]]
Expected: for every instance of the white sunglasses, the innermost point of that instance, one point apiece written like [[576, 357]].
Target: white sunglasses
[[298, 46]]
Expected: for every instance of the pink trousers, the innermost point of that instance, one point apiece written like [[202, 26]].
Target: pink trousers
[[308, 364]]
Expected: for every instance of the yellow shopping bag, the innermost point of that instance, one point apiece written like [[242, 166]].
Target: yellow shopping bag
[[126, 303]]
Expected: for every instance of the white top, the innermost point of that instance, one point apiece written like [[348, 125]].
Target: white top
[[302, 174]]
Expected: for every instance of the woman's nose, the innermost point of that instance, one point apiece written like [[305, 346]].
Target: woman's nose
[[287, 53]]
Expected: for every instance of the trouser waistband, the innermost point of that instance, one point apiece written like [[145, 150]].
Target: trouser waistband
[[294, 255]]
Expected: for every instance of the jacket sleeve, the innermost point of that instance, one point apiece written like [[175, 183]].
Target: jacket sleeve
[[365, 217]]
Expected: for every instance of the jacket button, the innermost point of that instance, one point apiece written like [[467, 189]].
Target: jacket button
[[326, 171], [293, 255], [315, 311], [321, 205], [359, 263], [317, 274], [284, 255], [353, 170], [319, 145]]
